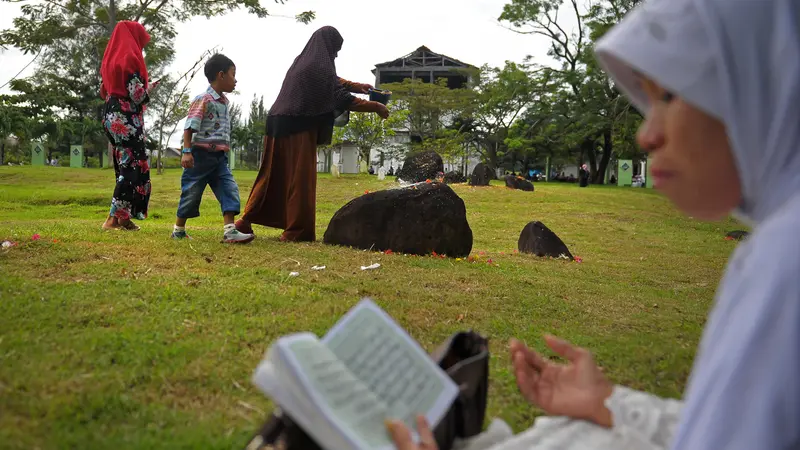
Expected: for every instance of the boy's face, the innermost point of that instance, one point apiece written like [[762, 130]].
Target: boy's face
[[692, 161], [227, 80]]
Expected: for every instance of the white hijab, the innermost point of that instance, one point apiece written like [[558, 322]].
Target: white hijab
[[737, 60]]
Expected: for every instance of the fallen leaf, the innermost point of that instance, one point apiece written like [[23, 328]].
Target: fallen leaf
[[460, 318], [209, 260]]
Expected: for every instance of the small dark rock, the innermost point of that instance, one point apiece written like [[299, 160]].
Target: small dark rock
[[481, 175], [539, 240], [419, 167], [419, 219], [454, 178], [518, 183], [737, 235]]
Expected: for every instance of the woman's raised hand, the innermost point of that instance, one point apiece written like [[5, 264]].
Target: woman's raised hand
[[381, 110], [577, 389]]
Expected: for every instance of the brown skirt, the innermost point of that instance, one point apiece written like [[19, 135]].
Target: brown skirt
[[284, 195]]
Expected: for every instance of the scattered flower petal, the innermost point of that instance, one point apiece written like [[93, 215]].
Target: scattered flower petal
[[36, 237], [578, 259], [388, 252], [371, 267], [318, 268], [8, 244], [294, 274]]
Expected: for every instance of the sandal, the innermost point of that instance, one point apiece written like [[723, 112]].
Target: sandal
[[112, 225], [130, 226]]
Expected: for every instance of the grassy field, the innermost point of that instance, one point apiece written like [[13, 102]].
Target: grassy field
[[132, 340]]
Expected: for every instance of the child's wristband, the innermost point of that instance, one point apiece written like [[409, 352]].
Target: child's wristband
[[186, 150]]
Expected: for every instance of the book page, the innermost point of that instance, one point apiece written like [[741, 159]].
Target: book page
[[391, 364], [341, 397]]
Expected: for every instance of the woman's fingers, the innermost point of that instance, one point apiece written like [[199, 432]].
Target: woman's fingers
[[401, 435], [531, 357], [426, 439], [565, 349], [526, 377]]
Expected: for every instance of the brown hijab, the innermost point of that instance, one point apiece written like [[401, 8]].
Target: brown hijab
[[311, 87]]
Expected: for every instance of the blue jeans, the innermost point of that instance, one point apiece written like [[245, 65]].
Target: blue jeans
[[210, 168]]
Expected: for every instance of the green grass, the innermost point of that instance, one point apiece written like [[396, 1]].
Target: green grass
[[132, 340]]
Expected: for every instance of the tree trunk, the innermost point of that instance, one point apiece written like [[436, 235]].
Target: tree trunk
[[590, 147], [608, 147], [2, 152], [160, 170]]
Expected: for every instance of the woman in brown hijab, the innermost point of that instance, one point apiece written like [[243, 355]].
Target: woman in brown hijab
[[284, 193]]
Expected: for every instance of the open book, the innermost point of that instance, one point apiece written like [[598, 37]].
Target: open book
[[365, 370]]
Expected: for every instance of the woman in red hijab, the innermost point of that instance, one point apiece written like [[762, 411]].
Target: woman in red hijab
[[126, 90]]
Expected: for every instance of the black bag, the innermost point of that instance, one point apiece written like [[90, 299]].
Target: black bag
[[341, 118], [465, 358]]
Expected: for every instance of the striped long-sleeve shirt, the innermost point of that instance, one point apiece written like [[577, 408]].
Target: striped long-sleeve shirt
[[208, 118]]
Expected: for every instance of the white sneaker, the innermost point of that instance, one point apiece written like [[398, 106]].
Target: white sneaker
[[236, 237]]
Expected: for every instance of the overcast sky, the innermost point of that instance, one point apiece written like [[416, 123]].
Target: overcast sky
[[374, 31]]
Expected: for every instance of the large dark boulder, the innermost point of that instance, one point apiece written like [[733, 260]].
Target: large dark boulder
[[419, 219], [481, 175], [421, 166], [538, 240], [454, 177], [518, 183]]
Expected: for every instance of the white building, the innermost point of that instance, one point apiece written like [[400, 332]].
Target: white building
[[345, 156]]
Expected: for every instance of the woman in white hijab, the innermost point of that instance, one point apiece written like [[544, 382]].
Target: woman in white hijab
[[719, 84]]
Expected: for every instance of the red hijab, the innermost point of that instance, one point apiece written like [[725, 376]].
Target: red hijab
[[123, 57]]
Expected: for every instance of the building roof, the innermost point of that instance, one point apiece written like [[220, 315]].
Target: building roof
[[424, 57]]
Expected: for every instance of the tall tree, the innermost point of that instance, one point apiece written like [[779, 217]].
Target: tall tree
[[503, 96], [541, 17], [593, 108]]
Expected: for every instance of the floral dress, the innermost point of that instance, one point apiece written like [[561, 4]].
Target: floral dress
[[124, 126]]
